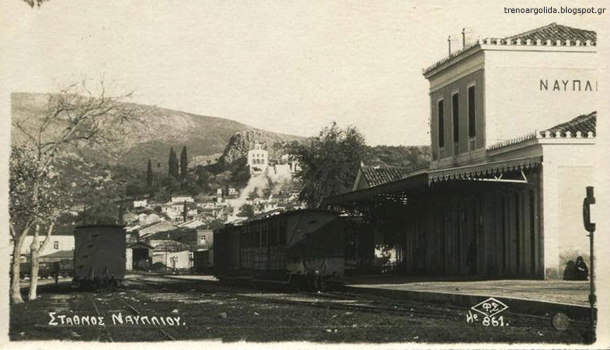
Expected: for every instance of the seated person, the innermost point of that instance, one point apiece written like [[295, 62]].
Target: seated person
[[569, 274], [582, 271]]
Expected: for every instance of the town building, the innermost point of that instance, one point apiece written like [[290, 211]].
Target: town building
[[172, 254], [153, 228], [258, 159], [513, 131], [182, 199], [63, 241], [140, 203]]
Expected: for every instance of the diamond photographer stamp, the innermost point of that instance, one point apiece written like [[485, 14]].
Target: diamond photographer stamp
[[486, 312]]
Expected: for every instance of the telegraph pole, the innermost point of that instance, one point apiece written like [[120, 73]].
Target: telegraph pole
[[590, 227]]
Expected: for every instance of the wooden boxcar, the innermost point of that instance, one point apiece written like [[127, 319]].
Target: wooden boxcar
[[299, 247], [99, 254]]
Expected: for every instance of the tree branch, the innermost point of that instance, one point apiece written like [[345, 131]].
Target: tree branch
[[47, 238]]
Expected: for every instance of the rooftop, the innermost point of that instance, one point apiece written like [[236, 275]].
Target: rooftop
[[583, 123], [556, 32], [62, 254], [581, 127], [552, 34], [375, 176]]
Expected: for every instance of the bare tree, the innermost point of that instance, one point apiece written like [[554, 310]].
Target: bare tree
[[74, 121]]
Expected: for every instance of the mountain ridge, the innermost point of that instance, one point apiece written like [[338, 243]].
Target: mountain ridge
[[161, 129]]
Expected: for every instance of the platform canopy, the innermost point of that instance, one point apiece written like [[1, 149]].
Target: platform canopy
[[492, 171], [505, 171]]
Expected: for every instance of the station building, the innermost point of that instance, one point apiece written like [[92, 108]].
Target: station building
[[513, 134]]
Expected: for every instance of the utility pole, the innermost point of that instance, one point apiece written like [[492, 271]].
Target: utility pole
[[590, 227]]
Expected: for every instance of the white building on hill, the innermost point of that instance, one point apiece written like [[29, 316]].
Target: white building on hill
[[258, 159]]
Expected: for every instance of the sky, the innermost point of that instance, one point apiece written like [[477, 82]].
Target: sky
[[284, 66]]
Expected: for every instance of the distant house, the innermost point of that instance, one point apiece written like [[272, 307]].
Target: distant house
[[191, 224], [182, 199], [206, 205], [171, 253], [138, 256], [141, 203], [293, 165], [149, 218], [58, 242], [130, 218], [175, 211], [174, 260], [160, 226], [258, 159], [210, 213], [280, 170], [205, 239]]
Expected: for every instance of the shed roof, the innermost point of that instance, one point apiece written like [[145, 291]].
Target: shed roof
[[375, 176], [62, 254]]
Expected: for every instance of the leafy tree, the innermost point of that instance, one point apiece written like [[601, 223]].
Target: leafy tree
[[171, 185], [329, 162], [73, 120], [149, 175], [184, 162], [246, 211], [401, 156], [216, 224], [202, 178], [240, 173]]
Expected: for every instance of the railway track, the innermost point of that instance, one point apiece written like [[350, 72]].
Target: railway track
[[165, 335], [99, 314], [163, 332]]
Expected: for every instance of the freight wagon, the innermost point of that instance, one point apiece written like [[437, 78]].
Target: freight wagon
[[304, 248], [45, 270], [99, 255]]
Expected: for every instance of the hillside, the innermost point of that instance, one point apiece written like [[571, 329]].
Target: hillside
[[398, 156], [161, 129]]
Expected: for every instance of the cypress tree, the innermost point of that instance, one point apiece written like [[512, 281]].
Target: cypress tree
[[172, 162], [149, 175], [175, 169], [183, 163]]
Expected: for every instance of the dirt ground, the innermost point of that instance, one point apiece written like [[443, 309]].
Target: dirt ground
[[214, 311]]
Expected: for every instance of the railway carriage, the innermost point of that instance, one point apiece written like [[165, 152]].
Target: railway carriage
[[303, 248]]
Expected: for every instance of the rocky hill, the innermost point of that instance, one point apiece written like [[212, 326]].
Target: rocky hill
[[243, 141], [161, 129]]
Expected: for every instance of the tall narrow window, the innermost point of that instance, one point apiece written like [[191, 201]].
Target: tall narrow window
[[455, 106], [472, 130], [441, 124]]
